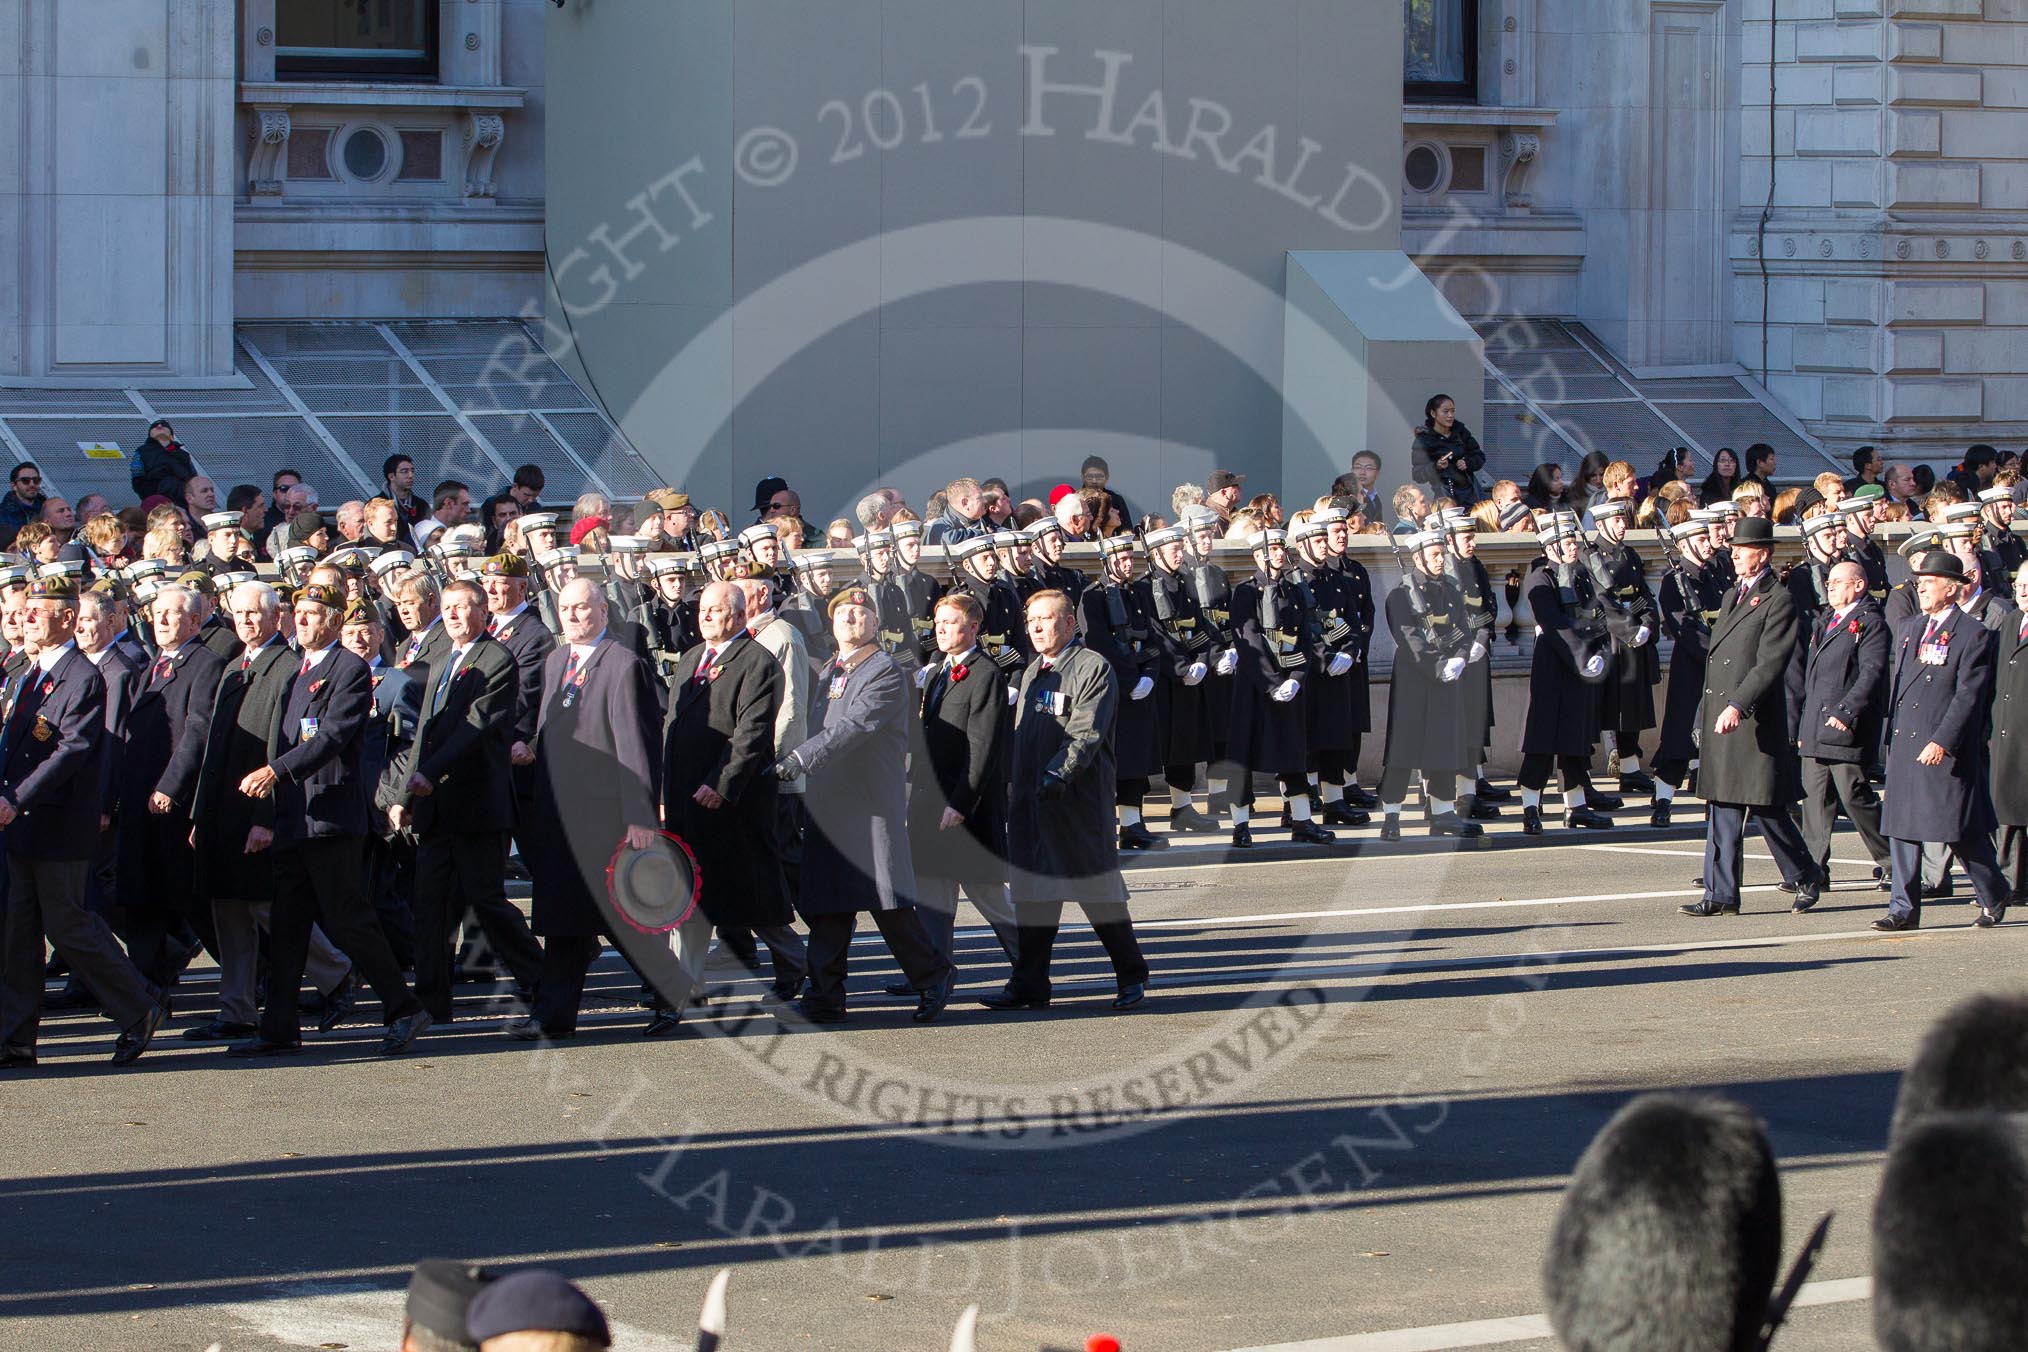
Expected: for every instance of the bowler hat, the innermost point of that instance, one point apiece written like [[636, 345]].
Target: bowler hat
[[1754, 530], [1939, 564]]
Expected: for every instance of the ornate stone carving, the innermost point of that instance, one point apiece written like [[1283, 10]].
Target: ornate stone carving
[[1943, 248], [265, 37], [270, 152], [1981, 249], [1788, 248], [483, 134], [2020, 251], [1520, 149], [1823, 248], [1902, 248]]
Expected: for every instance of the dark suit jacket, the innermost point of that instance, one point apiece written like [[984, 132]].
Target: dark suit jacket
[[598, 770], [1947, 704], [420, 654], [1746, 663], [241, 727], [721, 731], [530, 644], [218, 635], [124, 676], [959, 760], [855, 848], [461, 744], [390, 728], [1841, 676], [51, 768], [319, 790], [2007, 748]]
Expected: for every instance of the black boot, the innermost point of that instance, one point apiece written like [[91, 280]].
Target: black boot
[[1531, 821], [1242, 837], [1479, 810], [1390, 826], [1360, 797], [1139, 837], [1309, 833], [1189, 819], [1604, 802], [1451, 824], [1338, 814], [1658, 815], [1639, 784], [1585, 818], [1484, 791]]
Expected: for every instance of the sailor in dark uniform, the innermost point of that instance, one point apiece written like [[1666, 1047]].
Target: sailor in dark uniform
[[1339, 714], [1808, 579], [1722, 520], [1116, 620], [891, 604], [1047, 541], [1280, 654], [2004, 552], [1468, 574], [1627, 707], [719, 559], [1188, 651], [1429, 707], [806, 607], [1573, 653], [1002, 634], [1017, 560], [1691, 594], [1859, 511], [1213, 590], [672, 616], [922, 589], [766, 559]]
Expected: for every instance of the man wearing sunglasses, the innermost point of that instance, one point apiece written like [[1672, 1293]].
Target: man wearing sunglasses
[[23, 502]]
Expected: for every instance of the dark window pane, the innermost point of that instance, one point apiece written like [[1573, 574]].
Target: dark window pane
[[1440, 48], [389, 38]]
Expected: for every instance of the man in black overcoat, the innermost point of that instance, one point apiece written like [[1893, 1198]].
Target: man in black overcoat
[[1691, 593], [1750, 761], [49, 804], [1839, 671], [2008, 747], [1938, 790]]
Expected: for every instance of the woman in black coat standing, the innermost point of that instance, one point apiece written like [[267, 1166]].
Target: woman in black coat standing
[[1446, 456]]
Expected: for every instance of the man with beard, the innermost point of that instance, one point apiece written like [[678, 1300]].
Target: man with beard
[[1429, 707], [1572, 654], [597, 782], [1187, 643], [1627, 703], [1279, 654], [1116, 620], [979, 578], [1338, 710], [1691, 595], [1468, 574], [1750, 760]]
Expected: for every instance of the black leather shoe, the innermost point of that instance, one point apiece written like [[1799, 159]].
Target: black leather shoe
[[1451, 824], [816, 1013], [1358, 795], [17, 1058], [1531, 821], [1139, 837], [1604, 802], [663, 1023], [1337, 814], [1132, 994], [1480, 810], [1586, 819], [1189, 820], [1987, 919], [1484, 791], [260, 1046], [531, 1030], [1242, 837], [1309, 833], [1009, 998], [136, 1039], [1390, 826], [1690, 782], [1639, 784], [73, 996], [403, 1032], [1709, 907], [1888, 924], [218, 1030], [340, 1005], [900, 990], [932, 1001], [1807, 895], [1658, 815]]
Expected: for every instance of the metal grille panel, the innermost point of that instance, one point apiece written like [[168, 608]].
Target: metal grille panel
[[521, 440], [1715, 387], [463, 336], [295, 340], [1739, 426], [440, 448], [608, 454], [1515, 442]]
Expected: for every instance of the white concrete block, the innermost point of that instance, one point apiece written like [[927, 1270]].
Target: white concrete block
[[1933, 400], [1807, 86], [1856, 183], [1794, 300], [1801, 395], [1914, 133], [1857, 86], [2006, 398], [1838, 42], [1853, 301], [1943, 9], [1979, 134], [1932, 183], [2003, 185], [1935, 85], [1850, 399], [1927, 303], [1854, 350], [1986, 352], [2007, 302], [1915, 42], [2006, 88], [1837, 133], [1857, 9], [1800, 183], [1914, 352]]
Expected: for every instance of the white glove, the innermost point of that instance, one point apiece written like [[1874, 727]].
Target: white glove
[[1228, 662], [1478, 651], [921, 677], [1642, 635], [1013, 695], [1452, 669], [1198, 671], [1340, 664], [1286, 691], [1595, 668], [1143, 688]]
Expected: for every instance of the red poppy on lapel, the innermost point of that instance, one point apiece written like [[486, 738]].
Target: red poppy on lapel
[[48, 688], [376, 680], [505, 634], [1853, 627], [959, 672], [1757, 599], [711, 672], [315, 686]]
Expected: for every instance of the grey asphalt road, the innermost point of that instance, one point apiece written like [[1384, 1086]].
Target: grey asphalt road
[[1349, 1108]]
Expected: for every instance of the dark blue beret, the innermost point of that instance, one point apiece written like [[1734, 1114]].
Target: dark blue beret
[[534, 1299]]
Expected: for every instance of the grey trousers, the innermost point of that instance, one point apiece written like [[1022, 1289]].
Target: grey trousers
[[47, 897], [937, 903], [1829, 786], [240, 925]]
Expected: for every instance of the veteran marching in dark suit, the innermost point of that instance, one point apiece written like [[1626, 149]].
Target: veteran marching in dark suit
[[1059, 831], [1937, 785], [50, 794], [719, 796], [457, 796], [598, 779], [390, 728], [957, 791], [1749, 749], [1840, 670], [320, 820], [2008, 747], [855, 842]]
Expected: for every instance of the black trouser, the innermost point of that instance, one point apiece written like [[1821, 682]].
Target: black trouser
[[1672, 771], [1336, 767], [1240, 788], [317, 882], [1975, 852], [831, 947], [1536, 765], [454, 871], [47, 897], [1182, 777], [1829, 786], [1036, 942], [1394, 781], [1725, 843], [390, 881], [1130, 791], [566, 958]]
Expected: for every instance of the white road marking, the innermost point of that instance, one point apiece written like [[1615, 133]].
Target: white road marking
[[1521, 1328], [1699, 854]]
